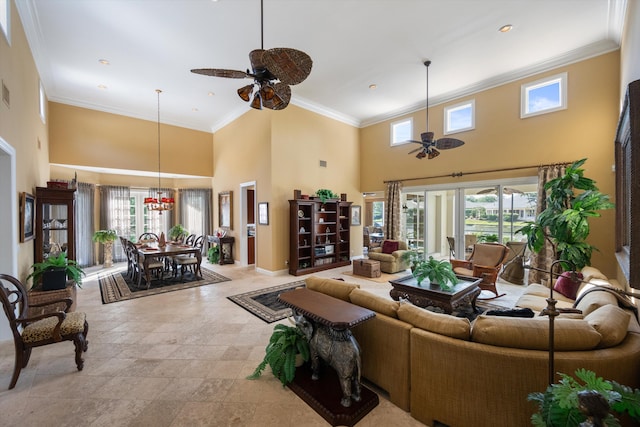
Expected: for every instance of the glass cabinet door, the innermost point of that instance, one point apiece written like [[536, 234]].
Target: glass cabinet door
[[54, 229], [54, 232]]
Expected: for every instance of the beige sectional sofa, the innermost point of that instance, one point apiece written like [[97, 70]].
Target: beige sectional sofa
[[448, 370]]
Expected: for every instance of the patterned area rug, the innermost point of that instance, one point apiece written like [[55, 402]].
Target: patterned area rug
[[264, 303], [114, 287]]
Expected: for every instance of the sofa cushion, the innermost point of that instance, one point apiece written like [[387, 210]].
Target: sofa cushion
[[533, 334], [332, 287], [389, 246], [538, 303], [590, 301], [566, 286], [443, 324], [612, 322], [374, 302], [589, 273], [543, 291]]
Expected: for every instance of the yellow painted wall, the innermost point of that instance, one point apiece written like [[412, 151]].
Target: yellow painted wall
[[80, 136], [300, 139], [280, 151], [242, 153], [20, 124], [502, 140]]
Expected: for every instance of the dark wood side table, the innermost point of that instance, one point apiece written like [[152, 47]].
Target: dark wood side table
[[226, 248], [324, 394]]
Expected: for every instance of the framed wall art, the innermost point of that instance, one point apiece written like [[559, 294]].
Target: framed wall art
[[225, 210], [27, 216], [263, 213], [355, 215]]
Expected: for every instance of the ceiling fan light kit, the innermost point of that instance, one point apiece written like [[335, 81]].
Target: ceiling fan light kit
[[429, 147], [272, 71]]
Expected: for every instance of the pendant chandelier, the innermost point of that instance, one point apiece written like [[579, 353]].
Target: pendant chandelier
[[160, 203]]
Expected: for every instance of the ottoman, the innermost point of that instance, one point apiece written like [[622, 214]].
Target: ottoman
[[366, 267]]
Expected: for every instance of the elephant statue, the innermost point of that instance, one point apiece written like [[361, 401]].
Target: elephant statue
[[340, 350]]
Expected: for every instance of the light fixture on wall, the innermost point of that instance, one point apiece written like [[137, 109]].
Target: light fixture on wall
[[160, 203]]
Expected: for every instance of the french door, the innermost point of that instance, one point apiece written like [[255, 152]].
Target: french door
[[447, 221]]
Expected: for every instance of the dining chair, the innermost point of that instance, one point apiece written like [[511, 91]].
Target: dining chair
[[190, 261], [154, 266], [42, 329], [148, 237]]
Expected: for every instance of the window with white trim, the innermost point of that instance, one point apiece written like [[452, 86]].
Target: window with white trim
[[401, 131], [43, 104], [460, 117], [5, 17], [543, 96]]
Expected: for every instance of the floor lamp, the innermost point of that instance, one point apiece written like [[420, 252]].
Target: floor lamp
[[552, 311]]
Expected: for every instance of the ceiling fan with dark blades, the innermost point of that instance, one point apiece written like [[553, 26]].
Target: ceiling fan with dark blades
[[272, 71], [429, 147]]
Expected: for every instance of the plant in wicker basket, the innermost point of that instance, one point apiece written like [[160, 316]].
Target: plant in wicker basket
[[280, 354]]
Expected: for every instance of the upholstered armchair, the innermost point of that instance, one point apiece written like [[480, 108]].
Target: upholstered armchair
[[390, 256], [485, 261]]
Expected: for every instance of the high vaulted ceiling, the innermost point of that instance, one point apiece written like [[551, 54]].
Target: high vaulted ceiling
[[353, 43]]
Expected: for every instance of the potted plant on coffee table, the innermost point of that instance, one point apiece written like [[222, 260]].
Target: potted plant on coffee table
[[438, 273], [106, 237], [54, 271], [285, 344]]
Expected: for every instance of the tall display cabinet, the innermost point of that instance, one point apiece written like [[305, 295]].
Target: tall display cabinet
[[319, 235], [55, 223]]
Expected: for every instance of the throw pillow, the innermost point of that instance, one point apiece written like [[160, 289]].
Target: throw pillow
[[389, 247], [612, 322], [566, 286]]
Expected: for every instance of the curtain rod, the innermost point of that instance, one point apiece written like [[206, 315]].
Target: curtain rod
[[459, 174]]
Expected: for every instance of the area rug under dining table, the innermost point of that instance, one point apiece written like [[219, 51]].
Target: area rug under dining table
[[115, 287]]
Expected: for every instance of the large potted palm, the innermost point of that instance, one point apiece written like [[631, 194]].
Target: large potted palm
[[106, 237], [571, 200]]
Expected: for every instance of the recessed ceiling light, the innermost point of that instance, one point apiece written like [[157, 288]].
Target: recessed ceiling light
[[194, 109], [211, 94], [104, 61], [102, 86], [373, 86], [505, 28]]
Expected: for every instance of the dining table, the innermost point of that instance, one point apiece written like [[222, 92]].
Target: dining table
[[148, 253]]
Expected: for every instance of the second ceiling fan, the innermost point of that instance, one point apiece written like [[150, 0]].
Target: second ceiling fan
[[429, 147], [272, 71]]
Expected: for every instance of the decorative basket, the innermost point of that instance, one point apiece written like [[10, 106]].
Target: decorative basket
[[58, 185], [39, 297]]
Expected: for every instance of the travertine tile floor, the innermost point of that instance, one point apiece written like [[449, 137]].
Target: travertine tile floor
[[176, 359]]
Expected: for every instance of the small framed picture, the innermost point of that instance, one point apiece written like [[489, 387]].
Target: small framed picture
[[263, 213], [355, 215], [27, 216]]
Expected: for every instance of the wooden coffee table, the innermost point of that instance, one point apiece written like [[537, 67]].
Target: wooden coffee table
[[464, 293]]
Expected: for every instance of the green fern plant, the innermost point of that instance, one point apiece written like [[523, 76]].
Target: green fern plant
[[280, 354], [325, 194], [559, 405], [438, 272], [55, 262]]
